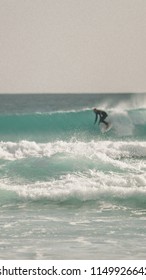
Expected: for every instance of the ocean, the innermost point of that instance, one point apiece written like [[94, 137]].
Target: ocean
[[67, 190]]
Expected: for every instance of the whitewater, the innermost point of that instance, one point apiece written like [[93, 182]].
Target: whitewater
[[67, 190]]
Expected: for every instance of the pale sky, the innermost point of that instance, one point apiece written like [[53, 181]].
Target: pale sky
[[71, 46]]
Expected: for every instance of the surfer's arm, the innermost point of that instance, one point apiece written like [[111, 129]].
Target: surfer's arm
[[100, 115], [96, 117]]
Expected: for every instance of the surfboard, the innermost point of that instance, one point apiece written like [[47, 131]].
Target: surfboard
[[105, 129]]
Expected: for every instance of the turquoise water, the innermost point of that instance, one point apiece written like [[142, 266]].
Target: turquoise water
[[68, 191]]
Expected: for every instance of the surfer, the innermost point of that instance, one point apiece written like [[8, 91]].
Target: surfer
[[102, 115]]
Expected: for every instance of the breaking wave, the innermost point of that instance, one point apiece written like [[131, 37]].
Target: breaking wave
[[64, 125]]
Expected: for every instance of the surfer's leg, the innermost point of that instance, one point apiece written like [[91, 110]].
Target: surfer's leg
[[103, 120], [106, 123]]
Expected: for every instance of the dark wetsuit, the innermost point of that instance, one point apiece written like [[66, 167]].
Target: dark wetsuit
[[102, 115]]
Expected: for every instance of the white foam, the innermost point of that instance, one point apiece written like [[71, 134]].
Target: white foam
[[106, 151], [91, 185]]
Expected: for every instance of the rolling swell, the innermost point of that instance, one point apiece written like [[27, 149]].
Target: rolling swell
[[67, 124], [52, 123]]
